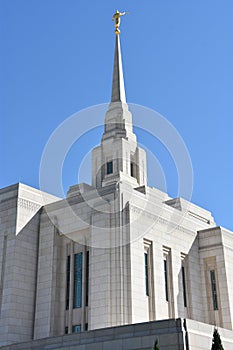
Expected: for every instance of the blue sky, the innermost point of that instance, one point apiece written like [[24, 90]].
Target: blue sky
[[57, 57]]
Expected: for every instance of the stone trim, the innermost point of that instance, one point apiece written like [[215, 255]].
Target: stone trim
[[159, 219], [211, 246], [28, 205]]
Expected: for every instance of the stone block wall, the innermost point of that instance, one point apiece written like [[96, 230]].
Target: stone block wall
[[172, 334]]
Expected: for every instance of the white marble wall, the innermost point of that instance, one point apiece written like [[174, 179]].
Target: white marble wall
[[19, 221], [34, 288]]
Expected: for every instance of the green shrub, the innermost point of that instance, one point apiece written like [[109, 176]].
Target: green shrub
[[216, 341], [156, 347]]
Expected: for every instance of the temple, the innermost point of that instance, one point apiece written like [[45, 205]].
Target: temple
[[112, 255]]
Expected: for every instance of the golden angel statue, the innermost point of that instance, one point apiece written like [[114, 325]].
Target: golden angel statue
[[117, 18]]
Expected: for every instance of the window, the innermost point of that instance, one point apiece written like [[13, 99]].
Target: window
[[146, 273], [149, 278], [109, 167], [86, 326], [168, 280], [184, 286], [87, 276], [67, 282], [131, 169], [165, 279], [78, 263], [214, 289], [76, 329]]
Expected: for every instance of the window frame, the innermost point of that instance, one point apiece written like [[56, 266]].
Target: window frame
[[146, 265], [68, 282], [76, 328], [183, 272], [78, 280], [213, 282], [109, 167]]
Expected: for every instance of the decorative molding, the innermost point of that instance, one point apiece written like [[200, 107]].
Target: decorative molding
[[211, 246], [166, 251], [28, 205], [183, 256], [198, 217], [159, 219], [147, 243]]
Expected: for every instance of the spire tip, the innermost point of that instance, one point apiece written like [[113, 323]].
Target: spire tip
[[117, 18]]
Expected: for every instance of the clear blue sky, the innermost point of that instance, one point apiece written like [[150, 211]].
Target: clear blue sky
[[56, 59]]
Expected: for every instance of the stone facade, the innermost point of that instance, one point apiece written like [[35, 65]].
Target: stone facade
[[20, 220]]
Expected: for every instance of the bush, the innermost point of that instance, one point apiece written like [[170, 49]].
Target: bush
[[156, 347], [216, 341]]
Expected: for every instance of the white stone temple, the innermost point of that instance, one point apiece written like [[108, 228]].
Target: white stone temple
[[114, 253]]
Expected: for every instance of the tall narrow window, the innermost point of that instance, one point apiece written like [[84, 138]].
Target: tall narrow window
[[168, 281], [67, 282], [131, 169], [146, 273], [78, 262], [109, 167], [184, 286], [165, 279], [149, 278], [87, 276], [214, 289]]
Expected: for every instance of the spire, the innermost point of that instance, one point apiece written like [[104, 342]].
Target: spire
[[118, 86], [118, 156], [118, 120]]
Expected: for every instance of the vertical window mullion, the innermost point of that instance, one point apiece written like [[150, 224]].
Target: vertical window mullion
[[184, 286], [78, 280], [214, 289], [149, 278], [67, 282], [165, 279], [146, 273], [87, 277]]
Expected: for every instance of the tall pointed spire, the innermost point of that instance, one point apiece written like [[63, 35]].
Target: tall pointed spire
[[118, 86], [118, 156], [118, 120]]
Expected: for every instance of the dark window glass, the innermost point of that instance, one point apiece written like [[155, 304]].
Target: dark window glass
[[214, 289], [86, 326], [87, 277], [66, 330], [131, 169], [184, 286], [76, 329], [78, 264], [146, 273], [165, 279], [109, 168], [67, 282]]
